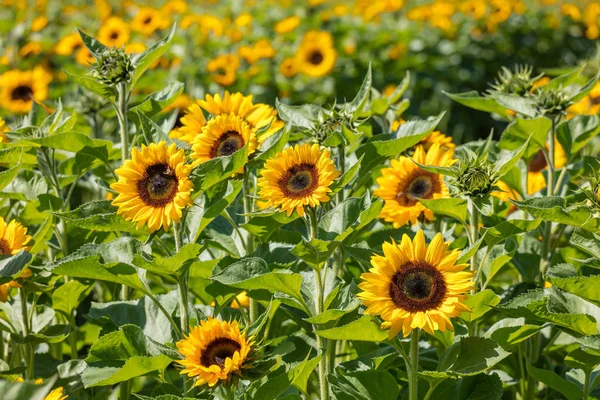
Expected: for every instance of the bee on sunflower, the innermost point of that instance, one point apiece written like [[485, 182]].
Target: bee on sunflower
[[416, 286], [19, 89], [153, 186], [297, 177], [215, 351], [402, 185]]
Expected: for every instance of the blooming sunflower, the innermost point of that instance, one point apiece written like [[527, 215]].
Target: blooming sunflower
[[298, 176], [402, 185], [18, 89], [192, 123], [415, 285], [223, 69], [287, 67], [3, 129], [114, 32], [13, 237], [316, 56], [153, 186], [287, 25], [148, 20], [215, 350], [223, 136]]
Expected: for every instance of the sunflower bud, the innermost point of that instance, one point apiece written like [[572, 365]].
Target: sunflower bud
[[552, 101], [517, 82], [476, 180], [114, 66]]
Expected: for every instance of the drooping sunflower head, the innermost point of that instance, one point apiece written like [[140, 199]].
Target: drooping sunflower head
[[402, 185], [153, 186], [18, 89], [13, 237], [316, 56], [415, 285], [214, 351], [298, 176], [223, 136]]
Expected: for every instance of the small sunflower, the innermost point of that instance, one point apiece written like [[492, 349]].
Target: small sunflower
[[415, 285], [402, 185], [68, 45], [223, 69], [444, 141], [298, 176], [223, 136], [13, 237], [287, 25], [153, 186], [287, 67], [316, 56], [215, 350], [114, 32], [148, 20], [18, 89]]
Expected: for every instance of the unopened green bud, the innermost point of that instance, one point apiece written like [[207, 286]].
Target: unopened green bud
[[476, 181], [114, 66]]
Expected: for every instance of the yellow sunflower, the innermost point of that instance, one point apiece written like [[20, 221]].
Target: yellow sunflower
[[18, 89], [223, 69], [223, 136], [589, 105], [258, 116], [402, 185], [241, 299], [287, 25], [3, 129], [298, 176], [114, 32], [153, 186], [56, 394], [416, 286], [215, 350], [535, 177], [192, 124], [13, 237], [287, 67], [316, 56], [68, 45], [148, 20]]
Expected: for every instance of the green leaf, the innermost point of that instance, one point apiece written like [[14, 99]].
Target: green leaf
[[99, 216], [349, 216], [568, 389], [509, 159], [215, 170], [473, 100], [141, 62], [575, 133], [12, 266], [120, 356], [169, 266], [363, 329], [300, 372], [565, 277], [357, 104], [303, 117], [480, 303], [8, 175], [509, 332], [92, 44], [271, 146], [364, 385], [400, 89], [344, 303], [156, 102], [346, 178], [253, 274], [94, 86], [52, 334], [25, 390], [478, 387], [518, 131], [497, 256], [586, 89], [67, 297], [314, 252], [581, 359], [506, 229], [518, 104], [555, 209], [471, 356], [67, 141], [451, 207]]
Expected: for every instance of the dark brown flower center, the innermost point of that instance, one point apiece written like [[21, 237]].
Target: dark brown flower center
[[159, 185], [227, 144], [417, 286], [538, 162], [218, 351], [422, 185], [114, 35], [5, 247], [147, 20], [315, 57], [299, 181], [22, 92]]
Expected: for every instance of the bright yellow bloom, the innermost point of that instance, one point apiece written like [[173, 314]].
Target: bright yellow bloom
[[288, 67], [18, 89], [56, 394], [214, 351], [223, 136], [402, 185], [3, 129], [114, 32], [39, 23], [31, 49], [191, 125], [148, 20], [153, 186], [416, 286], [241, 299], [316, 56], [287, 25], [13, 237], [535, 177], [297, 177], [223, 69], [68, 45]]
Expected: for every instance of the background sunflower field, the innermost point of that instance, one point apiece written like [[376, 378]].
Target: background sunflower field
[[317, 199]]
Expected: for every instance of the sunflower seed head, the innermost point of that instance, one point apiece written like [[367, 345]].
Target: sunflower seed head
[[517, 82], [553, 101], [114, 66]]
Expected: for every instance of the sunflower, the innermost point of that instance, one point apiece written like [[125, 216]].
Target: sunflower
[[56, 394], [298, 176], [68, 45], [114, 32], [535, 177], [13, 237], [287, 67], [223, 136], [241, 299], [258, 116], [287, 25], [153, 186], [192, 123], [589, 105], [215, 350], [148, 20], [316, 56], [3, 129], [402, 185], [415, 285], [18, 89], [223, 69]]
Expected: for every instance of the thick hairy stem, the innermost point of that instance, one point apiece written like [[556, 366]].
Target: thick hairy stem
[[547, 238], [413, 377], [28, 350], [248, 208], [121, 109]]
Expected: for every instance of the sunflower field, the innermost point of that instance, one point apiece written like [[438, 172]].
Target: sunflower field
[[299, 199]]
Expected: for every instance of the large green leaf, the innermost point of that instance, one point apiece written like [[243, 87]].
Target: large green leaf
[[314, 252], [364, 385], [67, 297], [141, 62], [568, 389], [478, 387], [93, 85], [99, 216], [24, 390], [521, 105], [349, 216], [215, 170], [450, 207], [157, 101], [67, 141], [363, 329], [565, 277], [169, 266], [480, 303], [471, 356], [12, 266], [6, 176], [509, 332], [555, 209], [576, 132], [473, 100]]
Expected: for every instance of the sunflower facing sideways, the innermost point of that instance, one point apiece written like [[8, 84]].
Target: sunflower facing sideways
[[214, 351], [416, 286], [18, 89], [153, 186], [297, 177], [402, 185]]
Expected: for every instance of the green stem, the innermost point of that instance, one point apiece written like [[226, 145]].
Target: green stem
[[547, 238], [73, 338], [413, 377], [342, 167], [125, 390], [121, 108], [248, 208], [586, 387], [28, 351]]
